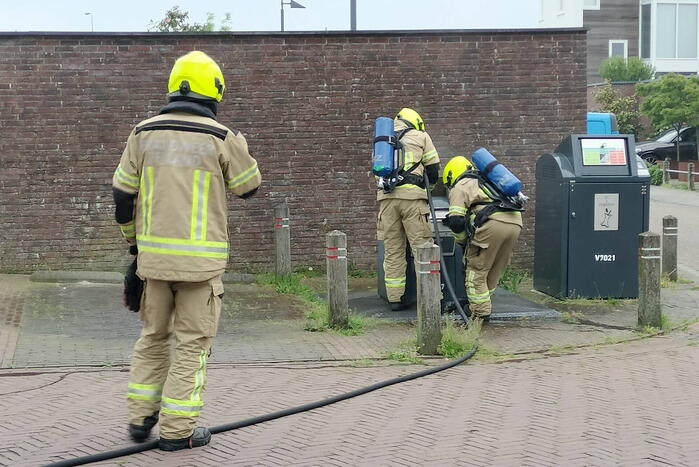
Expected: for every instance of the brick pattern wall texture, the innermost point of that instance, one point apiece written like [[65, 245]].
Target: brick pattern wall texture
[[306, 102]]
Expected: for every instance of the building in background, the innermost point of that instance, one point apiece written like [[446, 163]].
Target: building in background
[[668, 35], [613, 31]]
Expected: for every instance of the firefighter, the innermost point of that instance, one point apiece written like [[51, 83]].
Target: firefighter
[[170, 196], [488, 248], [403, 212]]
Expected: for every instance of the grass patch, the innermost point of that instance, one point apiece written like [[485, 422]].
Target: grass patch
[[559, 349], [290, 284], [681, 280], [362, 363], [317, 315], [613, 301], [406, 352], [512, 278], [572, 317], [358, 273], [457, 339], [309, 271]]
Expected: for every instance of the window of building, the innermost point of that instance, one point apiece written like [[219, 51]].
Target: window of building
[[619, 48], [676, 30], [591, 5], [645, 31]]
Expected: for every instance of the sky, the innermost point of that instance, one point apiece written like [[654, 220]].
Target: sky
[[264, 15]]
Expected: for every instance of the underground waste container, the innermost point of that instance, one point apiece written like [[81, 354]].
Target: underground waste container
[[453, 257]]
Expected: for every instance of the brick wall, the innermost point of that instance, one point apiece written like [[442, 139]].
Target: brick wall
[[306, 102]]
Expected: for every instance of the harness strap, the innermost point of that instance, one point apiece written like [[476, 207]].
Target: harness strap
[[489, 167]]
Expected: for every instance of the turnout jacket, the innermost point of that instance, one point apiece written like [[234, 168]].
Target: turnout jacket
[[418, 148], [176, 167], [464, 197]]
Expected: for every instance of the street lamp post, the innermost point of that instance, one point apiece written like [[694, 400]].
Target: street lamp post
[[92, 23], [292, 4]]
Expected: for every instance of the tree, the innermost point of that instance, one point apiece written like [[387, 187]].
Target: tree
[[625, 108], [621, 69], [176, 20], [671, 102]]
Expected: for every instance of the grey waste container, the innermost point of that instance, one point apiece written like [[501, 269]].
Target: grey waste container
[[453, 258], [592, 201]]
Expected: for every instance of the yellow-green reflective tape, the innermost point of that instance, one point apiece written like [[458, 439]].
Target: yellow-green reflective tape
[[205, 205], [125, 178], [147, 198], [429, 155], [243, 177], [458, 210], [189, 408], [195, 205], [199, 377]]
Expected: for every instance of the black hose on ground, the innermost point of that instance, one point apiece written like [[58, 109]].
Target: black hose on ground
[[447, 279], [135, 449], [102, 456]]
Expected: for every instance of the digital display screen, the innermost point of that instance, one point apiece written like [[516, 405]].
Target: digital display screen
[[603, 151]]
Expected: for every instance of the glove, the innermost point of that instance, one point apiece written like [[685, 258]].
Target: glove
[[133, 288]]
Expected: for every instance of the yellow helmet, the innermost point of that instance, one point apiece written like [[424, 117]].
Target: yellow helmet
[[455, 168], [196, 75], [411, 117]]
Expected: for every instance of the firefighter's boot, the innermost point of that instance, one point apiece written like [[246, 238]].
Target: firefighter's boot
[[200, 437], [140, 433]]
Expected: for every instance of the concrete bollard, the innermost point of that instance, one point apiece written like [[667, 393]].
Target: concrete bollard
[[282, 240], [666, 170], [649, 307], [429, 316], [669, 251], [336, 262], [690, 175]]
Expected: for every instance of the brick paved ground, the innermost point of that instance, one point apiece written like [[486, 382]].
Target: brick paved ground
[[84, 324], [629, 404]]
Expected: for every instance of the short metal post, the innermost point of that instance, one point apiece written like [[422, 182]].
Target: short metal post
[[690, 175], [649, 307], [282, 240], [336, 263], [666, 170], [670, 247], [429, 318]]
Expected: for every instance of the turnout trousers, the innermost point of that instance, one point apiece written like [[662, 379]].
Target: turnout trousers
[[189, 312], [487, 256], [401, 220]]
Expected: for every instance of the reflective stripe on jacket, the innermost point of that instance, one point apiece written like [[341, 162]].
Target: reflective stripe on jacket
[[179, 165]]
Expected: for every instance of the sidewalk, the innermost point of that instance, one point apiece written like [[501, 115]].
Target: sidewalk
[[629, 404], [553, 398], [83, 324]]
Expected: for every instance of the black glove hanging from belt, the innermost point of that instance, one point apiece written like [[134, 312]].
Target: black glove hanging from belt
[[133, 285]]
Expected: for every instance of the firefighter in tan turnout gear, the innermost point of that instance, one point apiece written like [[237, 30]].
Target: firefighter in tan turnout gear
[[403, 212], [170, 195], [492, 237]]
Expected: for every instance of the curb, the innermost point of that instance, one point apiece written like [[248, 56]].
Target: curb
[[77, 276], [103, 277]]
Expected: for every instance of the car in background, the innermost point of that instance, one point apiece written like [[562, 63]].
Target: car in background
[[663, 145]]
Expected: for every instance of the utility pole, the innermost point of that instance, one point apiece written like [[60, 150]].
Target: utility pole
[[92, 23], [292, 4], [353, 15]]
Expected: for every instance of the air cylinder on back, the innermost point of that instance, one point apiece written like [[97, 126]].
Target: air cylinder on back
[[383, 161], [496, 172]]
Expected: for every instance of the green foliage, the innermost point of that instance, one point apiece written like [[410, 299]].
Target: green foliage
[[625, 108], [671, 102], [512, 278], [621, 69], [457, 340], [176, 20], [656, 174], [405, 352]]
